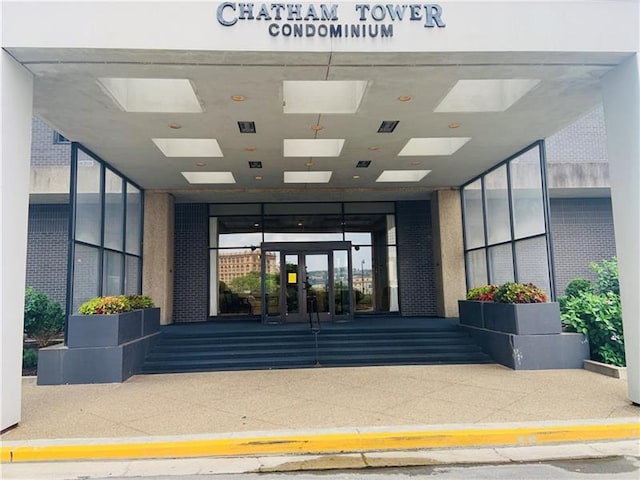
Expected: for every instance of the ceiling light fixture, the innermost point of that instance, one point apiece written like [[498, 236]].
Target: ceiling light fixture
[[404, 98], [247, 127], [308, 164], [255, 164], [238, 98], [374, 148], [356, 177], [250, 149], [201, 164], [258, 177], [316, 128], [454, 125], [363, 164], [388, 126], [175, 126]]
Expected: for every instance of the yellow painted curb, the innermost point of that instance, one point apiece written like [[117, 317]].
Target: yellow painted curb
[[324, 443]]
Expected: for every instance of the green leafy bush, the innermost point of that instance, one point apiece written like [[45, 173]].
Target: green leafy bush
[[519, 293], [486, 293], [137, 302], [105, 305], [43, 317], [29, 358], [577, 286], [599, 318], [607, 276]]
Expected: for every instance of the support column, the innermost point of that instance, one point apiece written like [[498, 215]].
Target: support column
[[158, 251], [448, 251], [621, 96], [16, 85]]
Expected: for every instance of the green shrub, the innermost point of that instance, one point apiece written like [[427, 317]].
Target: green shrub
[[43, 317], [486, 293], [105, 305], [29, 358], [137, 302], [607, 276], [519, 293], [577, 286], [599, 318]]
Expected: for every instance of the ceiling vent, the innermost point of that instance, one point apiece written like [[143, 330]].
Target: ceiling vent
[[363, 164], [388, 126], [247, 127], [255, 164]]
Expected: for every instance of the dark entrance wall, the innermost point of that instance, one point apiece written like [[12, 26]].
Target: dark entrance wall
[[47, 250], [191, 266], [416, 272]]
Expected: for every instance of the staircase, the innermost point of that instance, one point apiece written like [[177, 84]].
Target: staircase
[[398, 341]]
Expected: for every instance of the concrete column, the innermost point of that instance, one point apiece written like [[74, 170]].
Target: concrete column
[[448, 251], [158, 251], [621, 96], [16, 85]]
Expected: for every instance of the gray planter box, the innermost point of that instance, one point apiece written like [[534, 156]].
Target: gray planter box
[[150, 321], [523, 318], [104, 330], [471, 313]]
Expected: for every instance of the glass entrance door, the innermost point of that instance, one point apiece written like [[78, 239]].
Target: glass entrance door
[[309, 280]]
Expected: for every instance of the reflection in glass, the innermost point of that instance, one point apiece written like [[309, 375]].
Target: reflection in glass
[[272, 283], [113, 211], [363, 278], [473, 219], [392, 269], [476, 263], [526, 194], [317, 282], [88, 203], [131, 275], [86, 269], [531, 259], [497, 205], [500, 264], [134, 217], [239, 281], [341, 282], [291, 277], [112, 273]]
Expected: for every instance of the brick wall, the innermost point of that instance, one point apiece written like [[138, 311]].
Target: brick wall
[[416, 273], [584, 141], [582, 232], [191, 272], [45, 153], [47, 250]]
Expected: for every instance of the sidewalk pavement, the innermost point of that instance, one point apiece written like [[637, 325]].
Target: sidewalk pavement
[[325, 411]]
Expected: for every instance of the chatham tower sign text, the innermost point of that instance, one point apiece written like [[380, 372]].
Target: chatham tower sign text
[[323, 20]]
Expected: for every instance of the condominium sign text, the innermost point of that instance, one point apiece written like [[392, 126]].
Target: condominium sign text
[[323, 20]]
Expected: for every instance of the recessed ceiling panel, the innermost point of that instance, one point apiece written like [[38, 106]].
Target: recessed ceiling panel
[[322, 96], [188, 147], [209, 177], [402, 175], [485, 95], [167, 95], [307, 177], [294, 147], [433, 146]]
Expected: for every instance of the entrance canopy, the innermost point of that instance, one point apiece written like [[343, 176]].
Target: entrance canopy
[[235, 103]]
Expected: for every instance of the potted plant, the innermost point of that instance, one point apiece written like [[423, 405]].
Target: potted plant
[[522, 309], [150, 313], [471, 309]]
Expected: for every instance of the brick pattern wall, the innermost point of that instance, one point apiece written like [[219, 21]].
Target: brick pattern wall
[[416, 272], [584, 141], [45, 153], [47, 250], [191, 272], [582, 232]]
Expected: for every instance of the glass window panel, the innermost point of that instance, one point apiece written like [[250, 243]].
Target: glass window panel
[[476, 262], [392, 272], [391, 230], [526, 194], [341, 282], [317, 277], [239, 282], [86, 271], [214, 288], [134, 217], [363, 278], [272, 283], [132, 275], [113, 211], [303, 228], [369, 207], [497, 206], [473, 218], [358, 238], [112, 273], [302, 237], [88, 200], [531, 260], [500, 264], [291, 279], [302, 208], [235, 209]]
